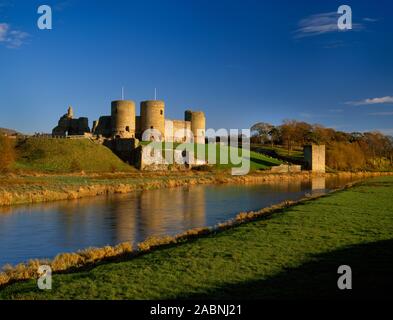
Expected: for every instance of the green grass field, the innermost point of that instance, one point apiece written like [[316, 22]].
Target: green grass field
[[223, 159], [66, 155], [294, 253], [293, 156]]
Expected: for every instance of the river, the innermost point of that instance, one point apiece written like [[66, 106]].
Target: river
[[44, 230]]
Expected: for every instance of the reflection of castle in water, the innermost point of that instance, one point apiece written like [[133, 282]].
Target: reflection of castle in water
[[184, 208], [318, 183], [121, 218]]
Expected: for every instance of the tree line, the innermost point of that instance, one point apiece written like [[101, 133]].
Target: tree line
[[344, 151]]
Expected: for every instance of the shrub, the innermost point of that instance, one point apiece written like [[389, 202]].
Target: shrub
[[345, 156], [7, 153]]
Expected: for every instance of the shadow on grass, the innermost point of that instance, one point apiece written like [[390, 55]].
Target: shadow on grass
[[261, 162], [372, 278]]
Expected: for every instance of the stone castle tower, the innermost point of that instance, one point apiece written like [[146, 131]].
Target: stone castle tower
[[123, 119], [123, 123]]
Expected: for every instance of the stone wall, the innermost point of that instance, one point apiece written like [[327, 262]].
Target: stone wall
[[178, 131], [123, 148], [67, 125], [103, 126], [148, 159]]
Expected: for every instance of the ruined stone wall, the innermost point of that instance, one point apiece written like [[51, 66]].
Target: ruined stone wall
[[181, 131], [168, 130], [69, 126], [103, 126], [148, 159], [314, 158], [78, 126], [138, 128], [188, 115], [123, 148]]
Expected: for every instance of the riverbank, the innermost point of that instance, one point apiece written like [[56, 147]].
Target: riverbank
[[24, 189], [293, 253]]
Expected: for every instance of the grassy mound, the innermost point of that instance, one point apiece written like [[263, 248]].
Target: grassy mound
[[65, 155]]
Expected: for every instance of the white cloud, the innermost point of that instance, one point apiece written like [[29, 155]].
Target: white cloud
[[3, 31], [370, 19], [387, 113], [387, 99], [321, 23], [12, 38], [388, 132]]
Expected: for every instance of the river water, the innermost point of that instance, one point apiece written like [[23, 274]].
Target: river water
[[44, 230]]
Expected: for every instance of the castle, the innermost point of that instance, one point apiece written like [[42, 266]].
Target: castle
[[123, 129], [123, 123], [69, 126]]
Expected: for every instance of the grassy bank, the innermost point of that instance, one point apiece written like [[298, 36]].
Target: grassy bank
[[22, 189], [294, 253]]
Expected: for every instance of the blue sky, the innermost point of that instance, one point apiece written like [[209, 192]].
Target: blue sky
[[240, 61]]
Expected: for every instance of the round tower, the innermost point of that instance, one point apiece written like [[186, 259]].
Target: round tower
[[153, 116], [123, 118], [198, 126]]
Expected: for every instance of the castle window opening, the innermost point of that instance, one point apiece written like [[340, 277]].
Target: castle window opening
[[128, 129], [161, 112]]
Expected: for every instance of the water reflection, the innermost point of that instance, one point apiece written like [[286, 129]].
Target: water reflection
[[318, 185], [44, 230]]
